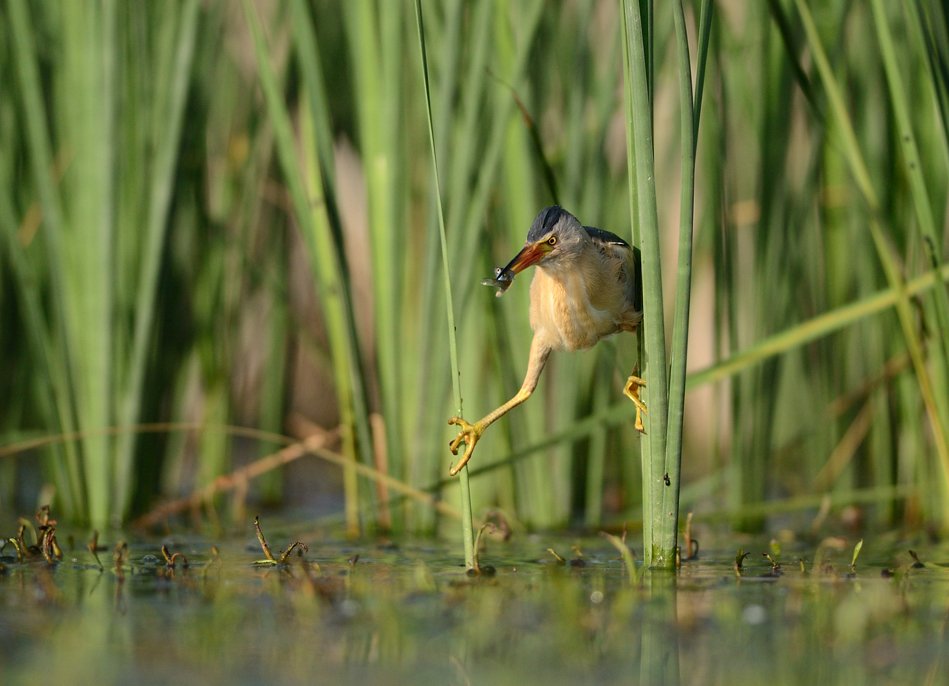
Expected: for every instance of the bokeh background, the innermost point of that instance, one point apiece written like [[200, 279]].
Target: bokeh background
[[218, 238]]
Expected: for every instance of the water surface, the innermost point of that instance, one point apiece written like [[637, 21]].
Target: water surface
[[406, 612]]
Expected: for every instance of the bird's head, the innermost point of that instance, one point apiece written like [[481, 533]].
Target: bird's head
[[555, 238]]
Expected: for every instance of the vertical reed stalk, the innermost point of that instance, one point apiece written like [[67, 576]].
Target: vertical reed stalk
[[170, 120], [688, 135], [39, 149], [142, 185], [913, 169], [305, 181], [466, 526], [662, 444], [659, 546], [882, 244]]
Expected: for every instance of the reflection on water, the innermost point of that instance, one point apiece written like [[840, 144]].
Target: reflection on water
[[407, 613]]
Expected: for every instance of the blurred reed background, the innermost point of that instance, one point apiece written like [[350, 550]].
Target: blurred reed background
[[221, 214]]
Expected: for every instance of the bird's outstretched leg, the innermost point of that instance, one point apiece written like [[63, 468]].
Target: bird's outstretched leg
[[470, 433], [631, 391]]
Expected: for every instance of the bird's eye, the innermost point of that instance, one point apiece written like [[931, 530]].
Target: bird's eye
[[552, 240]]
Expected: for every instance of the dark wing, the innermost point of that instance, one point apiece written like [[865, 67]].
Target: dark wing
[[609, 240], [638, 279], [601, 236]]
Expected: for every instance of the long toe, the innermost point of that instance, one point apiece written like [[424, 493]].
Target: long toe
[[469, 435], [631, 391], [640, 427], [469, 451]]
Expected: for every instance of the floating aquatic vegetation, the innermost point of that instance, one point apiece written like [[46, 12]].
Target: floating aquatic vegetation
[[269, 558]]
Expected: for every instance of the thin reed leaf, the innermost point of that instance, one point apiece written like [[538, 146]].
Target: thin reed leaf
[[182, 27], [888, 261], [373, 31], [812, 329], [914, 173], [683, 293], [39, 149], [466, 523], [701, 60], [304, 180], [633, 575], [200, 222]]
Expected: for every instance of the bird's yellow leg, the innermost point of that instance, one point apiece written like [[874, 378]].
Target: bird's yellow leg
[[631, 391], [470, 433]]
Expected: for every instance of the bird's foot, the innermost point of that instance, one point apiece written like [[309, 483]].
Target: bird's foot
[[631, 391], [469, 435]]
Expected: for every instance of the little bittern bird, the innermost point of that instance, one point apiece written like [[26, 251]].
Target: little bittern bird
[[588, 285]]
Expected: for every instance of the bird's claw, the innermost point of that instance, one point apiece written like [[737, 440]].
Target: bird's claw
[[631, 391], [469, 435]]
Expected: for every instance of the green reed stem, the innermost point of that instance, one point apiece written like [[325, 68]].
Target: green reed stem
[[659, 531], [680, 332], [913, 170], [39, 149], [159, 201], [466, 517], [884, 249], [304, 180]]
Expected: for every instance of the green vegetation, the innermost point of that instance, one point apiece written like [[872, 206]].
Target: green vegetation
[[662, 445], [471, 543], [226, 216], [358, 613]]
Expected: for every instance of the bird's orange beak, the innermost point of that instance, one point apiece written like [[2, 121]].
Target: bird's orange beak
[[529, 255]]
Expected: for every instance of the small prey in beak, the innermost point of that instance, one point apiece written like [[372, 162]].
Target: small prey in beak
[[504, 276], [502, 280]]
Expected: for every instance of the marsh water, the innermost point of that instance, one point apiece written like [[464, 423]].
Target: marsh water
[[384, 612]]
